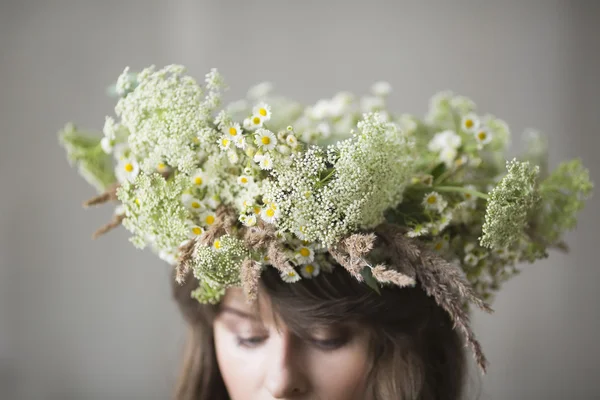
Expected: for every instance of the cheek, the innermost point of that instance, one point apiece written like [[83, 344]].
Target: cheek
[[239, 367], [341, 374]]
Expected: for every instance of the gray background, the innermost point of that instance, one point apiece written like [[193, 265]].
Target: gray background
[[94, 320]]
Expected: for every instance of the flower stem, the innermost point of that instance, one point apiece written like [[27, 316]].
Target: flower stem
[[460, 189]]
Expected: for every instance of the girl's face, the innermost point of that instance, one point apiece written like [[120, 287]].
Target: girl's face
[[260, 359]]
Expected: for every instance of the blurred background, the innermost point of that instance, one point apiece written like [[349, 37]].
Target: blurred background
[[83, 319]]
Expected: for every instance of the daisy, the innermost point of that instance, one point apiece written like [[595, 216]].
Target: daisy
[[240, 142], [233, 131], [128, 169], [448, 155], [233, 157], [255, 122], [194, 230], [291, 141], [269, 214], [217, 244], [208, 218], [434, 201], [249, 220], [304, 255], [263, 111], [107, 145], [441, 140], [264, 161], [198, 179], [224, 143], [290, 276], [469, 123], [441, 244], [192, 203], [418, 230], [244, 180], [162, 168], [310, 270], [483, 137], [265, 139]]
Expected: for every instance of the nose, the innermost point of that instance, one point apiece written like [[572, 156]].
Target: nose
[[286, 376]]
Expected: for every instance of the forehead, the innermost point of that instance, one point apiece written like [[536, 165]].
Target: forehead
[[236, 300]]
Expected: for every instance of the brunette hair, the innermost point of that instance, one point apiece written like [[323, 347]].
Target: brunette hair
[[416, 353]]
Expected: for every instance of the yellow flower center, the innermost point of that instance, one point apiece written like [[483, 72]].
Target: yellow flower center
[[137, 201], [244, 179], [304, 252], [217, 244], [210, 220], [270, 212], [256, 210], [482, 135], [439, 246], [232, 131], [161, 166], [196, 230], [198, 180], [469, 123], [309, 269], [265, 140], [128, 167], [262, 112], [225, 142], [468, 196], [195, 204], [431, 199], [291, 274], [256, 120]]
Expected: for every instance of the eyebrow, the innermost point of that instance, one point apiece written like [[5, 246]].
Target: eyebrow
[[239, 313]]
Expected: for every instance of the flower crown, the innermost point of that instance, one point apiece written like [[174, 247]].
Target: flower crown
[[394, 199]]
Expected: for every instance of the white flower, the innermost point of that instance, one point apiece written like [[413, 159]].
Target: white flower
[[254, 122], [418, 230], [290, 277], [162, 168], [217, 244], [208, 218], [233, 157], [168, 256], [324, 129], [232, 130], [469, 123], [224, 143], [107, 145], [244, 180], [250, 220], [263, 111], [265, 139], [483, 136], [127, 169], [320, 110], [291, 141], [283, 149], [240, 142], [441, 244], [471, 260], [192, 203], [434, 201], [121, 151], [304, 254], [381, 88], [194, 230], [264, 161], [448, 155], [269, 214], [310, 270], [199, 179], [447, 138]]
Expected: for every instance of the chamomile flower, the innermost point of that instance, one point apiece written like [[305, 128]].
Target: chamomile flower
[[224, 143], [250, 220], [290, 276], [310, 270], [304, 254], [255, 122], [441, 244], [483, 136], [469, 123], [233, 157], [434, 201], [291, 141], [199, 179], [128, 169], [264, 161], [107, 145], [448, 155], [240, 142], [192, 203], [169, 256], [265, 139], [194, 230], [217, 244], [269, 214], [263, 110], [441, 140], [417, 230], [208, 218], [162, 168], [232, 130], [244, 180]]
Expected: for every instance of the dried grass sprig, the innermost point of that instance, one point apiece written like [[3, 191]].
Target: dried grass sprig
[[116, 221]]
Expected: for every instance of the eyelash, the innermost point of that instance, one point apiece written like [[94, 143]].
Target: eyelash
[[325, 345]]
